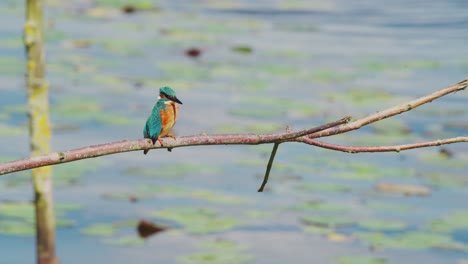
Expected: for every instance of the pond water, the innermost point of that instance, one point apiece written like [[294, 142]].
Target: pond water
[[263, 65]]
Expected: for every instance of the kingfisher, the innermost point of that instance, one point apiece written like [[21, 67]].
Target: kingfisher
[[163, 116]]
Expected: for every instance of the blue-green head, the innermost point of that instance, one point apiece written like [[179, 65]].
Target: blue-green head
[[167, 92]]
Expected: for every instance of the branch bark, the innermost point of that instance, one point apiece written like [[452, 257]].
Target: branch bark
[[303, 136]]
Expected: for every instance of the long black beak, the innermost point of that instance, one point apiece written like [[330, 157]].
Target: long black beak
[[174, 99]]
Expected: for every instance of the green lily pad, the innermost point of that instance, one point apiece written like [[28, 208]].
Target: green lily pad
[[361, 260], [320, 206], [7, 130], [99, 229], [17, 228], [124, 241], [276, 105], [82, 110], [330, 221], [19, 218], [412, 240], [365, 171], [242, 49], [317, 230], [386, 207], [441, 160], [70, 173], [173, 170], [138, 4], [445, 179], [330, 76], [215, 258], [361, 96], [12, 65], [179, 71], [198, 220], [450, 223], [382, 225], [218, 252], [222, 244], [255, 214]]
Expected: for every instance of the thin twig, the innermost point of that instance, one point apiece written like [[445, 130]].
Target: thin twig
[[391, 111], [268, 169], [397, 148]]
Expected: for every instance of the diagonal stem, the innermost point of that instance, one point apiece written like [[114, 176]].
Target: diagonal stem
[[268, 169]]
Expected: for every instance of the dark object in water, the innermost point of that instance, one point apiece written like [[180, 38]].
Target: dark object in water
[[146, 228], [193, 52]]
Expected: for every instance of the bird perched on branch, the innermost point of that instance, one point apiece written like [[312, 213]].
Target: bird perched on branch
[[163, 116]]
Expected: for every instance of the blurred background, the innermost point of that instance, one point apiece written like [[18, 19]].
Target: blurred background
[[243, 66]]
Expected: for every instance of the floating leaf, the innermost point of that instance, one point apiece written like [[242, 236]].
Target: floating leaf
[[124, 241], [318, 230], [216, 258], [18, 228], [242, 49], [382, 225], [320, 206], [412, 240], [327, 221], [198, 220], [329, 76], [164, 171], [450, 223], [436, 159], [403, 189], [381, 206], [100, 229], [361, 260]]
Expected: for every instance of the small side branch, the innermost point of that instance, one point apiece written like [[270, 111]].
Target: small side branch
[[268, 169], [397, 148], [392, 111]]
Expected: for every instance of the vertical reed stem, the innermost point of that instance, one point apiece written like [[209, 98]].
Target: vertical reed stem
[[39, 130]]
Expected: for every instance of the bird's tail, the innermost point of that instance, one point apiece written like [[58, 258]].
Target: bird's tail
[[145, 151]]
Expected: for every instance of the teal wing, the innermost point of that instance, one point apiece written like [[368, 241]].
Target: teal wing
[[153, 126]]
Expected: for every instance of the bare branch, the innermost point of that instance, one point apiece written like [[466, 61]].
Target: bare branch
[[303, 136], [169, 143], [391, 111], [397, 148]]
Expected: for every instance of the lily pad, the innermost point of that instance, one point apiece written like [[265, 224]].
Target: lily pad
[[361, 260], [388, 207], [382, 225], [320, 206], [327, 221], [412, 240], [99, 229], [441, 160], [219, 251], [124, 241], [172, 170], [317, 230], [361, 96], [17, 228], [404, 189], [450, 223], [242, 49], [198, 220]]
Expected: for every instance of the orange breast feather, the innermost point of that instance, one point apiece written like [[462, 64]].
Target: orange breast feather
[[168, 118]]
